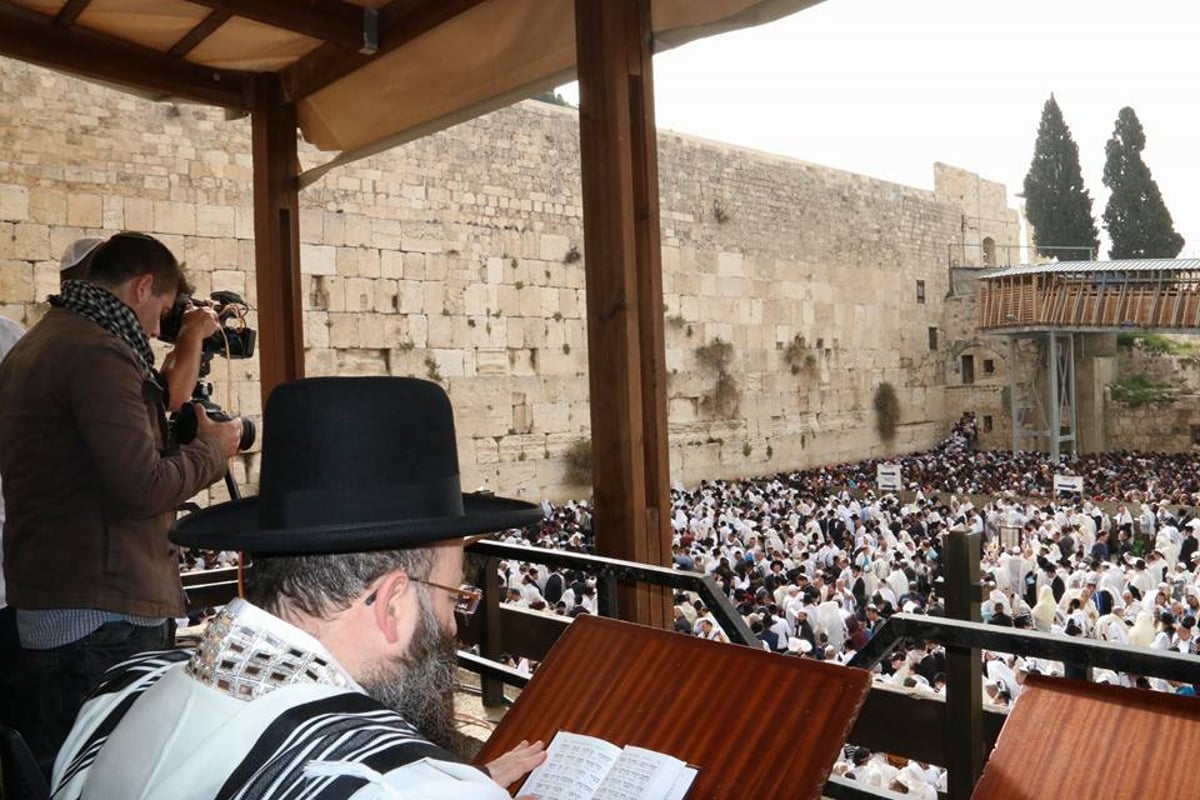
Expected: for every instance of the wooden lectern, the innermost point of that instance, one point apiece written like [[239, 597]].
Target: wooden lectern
[[1066, 738], [755, 724]]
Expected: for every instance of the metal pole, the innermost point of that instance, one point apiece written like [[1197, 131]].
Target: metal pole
[[964, 671], [1054, 420], [491, 688], [1014, 401], [1070, 388]]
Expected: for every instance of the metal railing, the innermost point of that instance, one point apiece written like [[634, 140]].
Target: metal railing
[[956, 732]]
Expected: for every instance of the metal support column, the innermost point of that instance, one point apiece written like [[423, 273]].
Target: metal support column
[[1014, 399], [964, 678], [1052, 406], [1061, 365]]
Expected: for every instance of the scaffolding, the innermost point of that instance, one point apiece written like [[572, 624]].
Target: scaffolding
[[1042, 394], [1050, 305]]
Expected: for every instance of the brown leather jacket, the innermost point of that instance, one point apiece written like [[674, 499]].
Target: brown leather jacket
[[89, 487]]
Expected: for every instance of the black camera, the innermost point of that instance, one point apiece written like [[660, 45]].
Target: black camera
[[186, 421], [232, 341]]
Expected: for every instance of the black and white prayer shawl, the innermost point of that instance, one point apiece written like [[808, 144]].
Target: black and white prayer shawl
[[339, 746]]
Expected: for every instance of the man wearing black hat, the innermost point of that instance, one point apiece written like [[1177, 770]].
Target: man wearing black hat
[[339, 670]]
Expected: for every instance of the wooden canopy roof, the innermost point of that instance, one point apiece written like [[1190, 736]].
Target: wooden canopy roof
[[364, 75], [357, 77]]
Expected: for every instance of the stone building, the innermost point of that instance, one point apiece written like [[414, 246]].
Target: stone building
[[793, 291]]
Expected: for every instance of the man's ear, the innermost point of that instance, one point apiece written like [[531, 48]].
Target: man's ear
[[143, 287], [389, 596]]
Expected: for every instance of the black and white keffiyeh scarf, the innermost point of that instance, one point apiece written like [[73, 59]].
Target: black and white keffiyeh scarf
[[108, 311]]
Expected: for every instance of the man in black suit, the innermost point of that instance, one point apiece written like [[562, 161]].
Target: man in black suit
[[999, 617]]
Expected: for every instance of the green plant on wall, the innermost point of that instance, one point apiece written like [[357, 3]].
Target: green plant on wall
[[579, 463], [1140, 390], [431, 369], [798, 356], [724, 398], [1157, 344], [887, 411]]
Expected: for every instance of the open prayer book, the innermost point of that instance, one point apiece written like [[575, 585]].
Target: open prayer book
[[586, 768]]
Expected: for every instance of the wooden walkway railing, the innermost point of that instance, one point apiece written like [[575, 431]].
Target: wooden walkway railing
[[1102, 300]]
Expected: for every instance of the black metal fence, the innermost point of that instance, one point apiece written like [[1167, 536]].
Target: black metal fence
[[956, 732]]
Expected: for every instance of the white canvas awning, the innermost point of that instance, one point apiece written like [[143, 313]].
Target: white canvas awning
[[428, 64]]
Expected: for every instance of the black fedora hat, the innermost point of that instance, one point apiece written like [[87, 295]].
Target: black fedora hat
[[354, 464]]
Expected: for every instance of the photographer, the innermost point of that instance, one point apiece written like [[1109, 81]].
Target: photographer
[[91, 481], [181, 367]]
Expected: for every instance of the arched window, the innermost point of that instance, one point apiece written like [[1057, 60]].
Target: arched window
[[989, 251]]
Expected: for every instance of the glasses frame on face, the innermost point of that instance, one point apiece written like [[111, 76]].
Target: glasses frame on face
[[466, 597]]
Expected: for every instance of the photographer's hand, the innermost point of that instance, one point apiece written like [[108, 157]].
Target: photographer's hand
[[199, 322], [226, 434], [181, 368]]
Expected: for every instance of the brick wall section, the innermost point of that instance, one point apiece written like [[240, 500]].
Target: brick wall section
[[460, 256]]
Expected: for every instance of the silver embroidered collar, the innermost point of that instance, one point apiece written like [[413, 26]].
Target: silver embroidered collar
[[246, 653]]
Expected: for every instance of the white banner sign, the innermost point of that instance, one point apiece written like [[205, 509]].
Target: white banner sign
[[887, 477], [1068, 483]]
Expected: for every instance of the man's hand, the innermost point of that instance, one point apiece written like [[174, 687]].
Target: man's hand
[[199, 322], [226, 434], [509, 767]]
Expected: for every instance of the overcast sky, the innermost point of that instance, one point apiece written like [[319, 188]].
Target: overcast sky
[[887, 87]]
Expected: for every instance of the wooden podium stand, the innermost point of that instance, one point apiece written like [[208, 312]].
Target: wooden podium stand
[[755, 724], [1067, 738]]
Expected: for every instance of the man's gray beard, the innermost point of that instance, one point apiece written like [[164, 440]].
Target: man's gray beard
[[419, 685]]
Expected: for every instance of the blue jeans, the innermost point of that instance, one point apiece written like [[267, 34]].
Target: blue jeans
[[54, 683]]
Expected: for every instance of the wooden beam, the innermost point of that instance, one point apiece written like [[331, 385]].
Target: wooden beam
[[36, 39], [399, 23], [70, 12], [277, 237], [207, 27], [624, 292], [342, 24]]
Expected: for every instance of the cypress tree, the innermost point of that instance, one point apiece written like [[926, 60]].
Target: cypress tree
[[1057, 205], [1136, 216]]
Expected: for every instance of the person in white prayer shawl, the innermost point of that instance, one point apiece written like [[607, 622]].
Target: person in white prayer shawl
[[831, 621], [337, 682], [1142, 632], [1044, 610]]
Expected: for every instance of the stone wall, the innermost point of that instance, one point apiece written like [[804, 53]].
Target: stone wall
[[459, 258], [1156, 427]]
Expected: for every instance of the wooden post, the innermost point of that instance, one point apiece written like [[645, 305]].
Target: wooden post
[[964, 685], [624, 292], [276, 236]]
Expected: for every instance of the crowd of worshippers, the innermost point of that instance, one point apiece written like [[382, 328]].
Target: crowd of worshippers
[[815, 573], [957, 467]]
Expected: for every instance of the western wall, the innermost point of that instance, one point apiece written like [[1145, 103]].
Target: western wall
[[792, 291]]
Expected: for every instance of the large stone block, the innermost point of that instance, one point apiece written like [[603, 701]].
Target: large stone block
[[16, 282], [31, 242], [391, 264], [318, 259], [46, 205], [216, 221], [14, 203], [169, 217], [360, 294]]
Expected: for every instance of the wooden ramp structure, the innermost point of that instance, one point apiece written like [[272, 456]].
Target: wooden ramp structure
[[1093, 296], [1052, 304], [1068, 738]]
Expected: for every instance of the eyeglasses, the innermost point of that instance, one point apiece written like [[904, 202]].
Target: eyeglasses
[[466, 597]]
